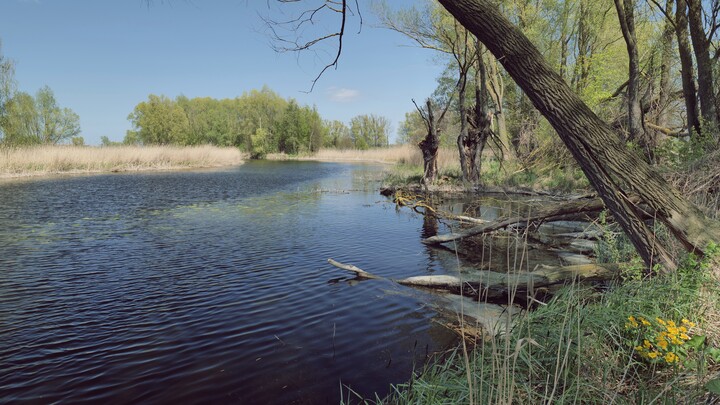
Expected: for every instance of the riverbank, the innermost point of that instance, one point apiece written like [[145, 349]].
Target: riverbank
[[49, 160], [397, 154], [645, 338], [640, 341]]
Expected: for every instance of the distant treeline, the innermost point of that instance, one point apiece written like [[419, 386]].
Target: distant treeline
[[259, 121]]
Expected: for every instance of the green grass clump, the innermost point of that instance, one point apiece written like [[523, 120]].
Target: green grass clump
[[583, 347]]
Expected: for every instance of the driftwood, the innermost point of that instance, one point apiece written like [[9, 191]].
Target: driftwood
[[559, 212], [491, 285]]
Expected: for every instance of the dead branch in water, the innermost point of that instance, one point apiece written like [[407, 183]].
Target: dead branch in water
[[567, 210], [493, 285]]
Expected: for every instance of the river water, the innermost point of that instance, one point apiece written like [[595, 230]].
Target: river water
[[210, 287]]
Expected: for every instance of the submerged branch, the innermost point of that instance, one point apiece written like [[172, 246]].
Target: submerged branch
[[493, 285]]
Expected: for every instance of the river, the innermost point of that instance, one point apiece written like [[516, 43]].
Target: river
[[210, 286]]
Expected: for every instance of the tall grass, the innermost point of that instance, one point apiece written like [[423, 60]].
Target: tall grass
[[578, 348], [41, 160]]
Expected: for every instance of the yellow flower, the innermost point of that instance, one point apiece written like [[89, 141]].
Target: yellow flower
[[688, 323], [671, 323], [672, 330], [671, 357], [662, 343], [632, 323], [653, 355], [638, 348], [684, 336], [660, 321], [644, 321], [682, 329]]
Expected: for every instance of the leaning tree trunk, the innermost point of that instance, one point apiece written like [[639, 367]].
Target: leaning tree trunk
[[612, 169]]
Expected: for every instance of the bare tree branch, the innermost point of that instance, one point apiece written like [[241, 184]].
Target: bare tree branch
[[293, 42]]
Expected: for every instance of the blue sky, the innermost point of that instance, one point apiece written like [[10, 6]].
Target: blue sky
[[102, 57]]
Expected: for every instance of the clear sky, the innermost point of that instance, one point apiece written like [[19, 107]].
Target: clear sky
[[102, 57]]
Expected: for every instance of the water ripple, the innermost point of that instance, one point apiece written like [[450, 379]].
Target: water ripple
[[207, 286]]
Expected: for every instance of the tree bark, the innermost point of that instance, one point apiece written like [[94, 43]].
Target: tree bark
[[497, 94], [687, 70], [430, 144], [626, 15], [706, 89], [665, 67], [612, 169], [462, 139]]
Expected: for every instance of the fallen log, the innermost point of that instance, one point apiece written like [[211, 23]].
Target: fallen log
[[490, 285], [558, 212]]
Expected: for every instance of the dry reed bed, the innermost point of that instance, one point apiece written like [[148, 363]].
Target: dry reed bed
[[403, 154], [42, 160]]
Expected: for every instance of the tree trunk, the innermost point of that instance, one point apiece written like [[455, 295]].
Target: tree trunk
[[463, 136], [497, 94], [626, 11], [478, 119], [612, 169], [706, 89], [429, 146], [687, 71], [665, 67]]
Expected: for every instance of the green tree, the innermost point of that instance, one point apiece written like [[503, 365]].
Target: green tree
[[259, 139], [338, 135], [55, 124], [77, 141], [259, 109], [159, 121], [369, 131], [412, 129], [7, 87], [20, 124]]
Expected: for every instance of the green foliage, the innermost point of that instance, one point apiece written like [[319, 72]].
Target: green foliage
[[259, 141], [38, 120], [7, 87], [369, 131], [259, 121], [413, 129], [338, 135], [160, 121], [299, 130], [77, 141], [105, 141]]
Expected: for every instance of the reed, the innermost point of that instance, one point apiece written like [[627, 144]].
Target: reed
[[398, 154], [43, 160]]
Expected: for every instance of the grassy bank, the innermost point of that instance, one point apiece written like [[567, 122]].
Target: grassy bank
[[642, 341], [44, 160]]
